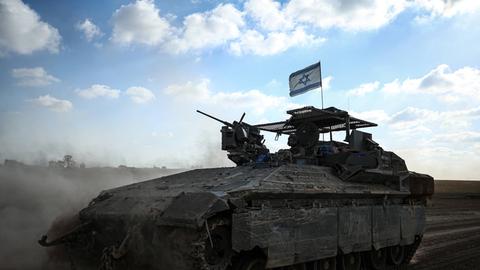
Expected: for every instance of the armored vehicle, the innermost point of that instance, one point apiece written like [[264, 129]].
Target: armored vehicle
[[320, 204]]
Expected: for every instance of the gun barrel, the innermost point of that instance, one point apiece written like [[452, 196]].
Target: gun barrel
[[241, 118], [214, 118]]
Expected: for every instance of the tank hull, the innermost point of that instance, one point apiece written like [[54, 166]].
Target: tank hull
[[209, 218]]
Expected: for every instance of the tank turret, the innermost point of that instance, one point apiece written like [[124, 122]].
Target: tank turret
[[242, 141]]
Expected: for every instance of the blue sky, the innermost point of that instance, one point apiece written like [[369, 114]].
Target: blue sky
[[118, 82]]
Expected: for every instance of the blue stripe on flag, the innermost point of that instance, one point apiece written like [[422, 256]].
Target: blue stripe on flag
[[305, 89]]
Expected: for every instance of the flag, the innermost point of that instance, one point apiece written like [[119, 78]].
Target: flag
[[305, 79]]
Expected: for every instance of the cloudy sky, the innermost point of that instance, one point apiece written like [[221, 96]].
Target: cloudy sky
[[118, 82]]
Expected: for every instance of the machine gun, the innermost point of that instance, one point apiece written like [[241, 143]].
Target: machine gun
[[242, 141]]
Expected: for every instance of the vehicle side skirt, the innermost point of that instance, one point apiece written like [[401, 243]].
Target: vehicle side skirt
[[290, 232]]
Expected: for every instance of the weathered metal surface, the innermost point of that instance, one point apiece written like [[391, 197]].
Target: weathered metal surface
[[408, 225], [385, 226], [421, 184], [192, 209], [289, 235], [413, 222], [355, 228], [315, 234]]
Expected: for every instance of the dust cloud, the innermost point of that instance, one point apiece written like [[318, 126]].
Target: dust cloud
[[33, 197]]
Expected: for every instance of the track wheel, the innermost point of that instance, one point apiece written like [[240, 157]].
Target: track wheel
[[327, 264], [377, 259], [311, 265], [351, 261], [395, 255], [251, 263], [300, 266]]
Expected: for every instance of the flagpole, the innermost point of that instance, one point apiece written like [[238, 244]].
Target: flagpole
[[321, 90]]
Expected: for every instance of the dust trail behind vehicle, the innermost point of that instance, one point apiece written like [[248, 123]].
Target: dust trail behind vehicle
[[32, 196]]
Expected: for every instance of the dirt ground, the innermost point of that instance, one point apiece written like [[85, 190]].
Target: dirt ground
[[452, 239]]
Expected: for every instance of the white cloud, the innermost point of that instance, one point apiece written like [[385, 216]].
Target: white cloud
[[362, 15], [265, 27], [442, 82], [139, 23], [89, 29], [268, 14], [376, 116], [252, 99], [364, 89], [447, 8], [22, 31], [54, 104], [190, 90], [442, 143], [35, 77], [464, 137], [163, 135], [327, 82], [345, 14], [325, 14], [208, 29], [412, 117], [140, 95], [442, 162], [98, 90], [253, 42]]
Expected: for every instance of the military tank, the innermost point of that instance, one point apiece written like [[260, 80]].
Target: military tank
[[319, 204]]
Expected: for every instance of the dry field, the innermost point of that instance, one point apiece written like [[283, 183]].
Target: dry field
[[452, 239]]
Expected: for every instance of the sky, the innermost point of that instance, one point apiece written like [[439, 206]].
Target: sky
[[118, 82]]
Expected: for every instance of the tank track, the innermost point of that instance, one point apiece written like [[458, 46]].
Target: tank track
[[413, 249], [409, 253]]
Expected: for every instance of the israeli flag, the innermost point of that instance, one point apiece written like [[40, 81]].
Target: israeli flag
[[305, 79]]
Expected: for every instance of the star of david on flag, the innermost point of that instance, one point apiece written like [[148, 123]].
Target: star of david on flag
[[305, 79]]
